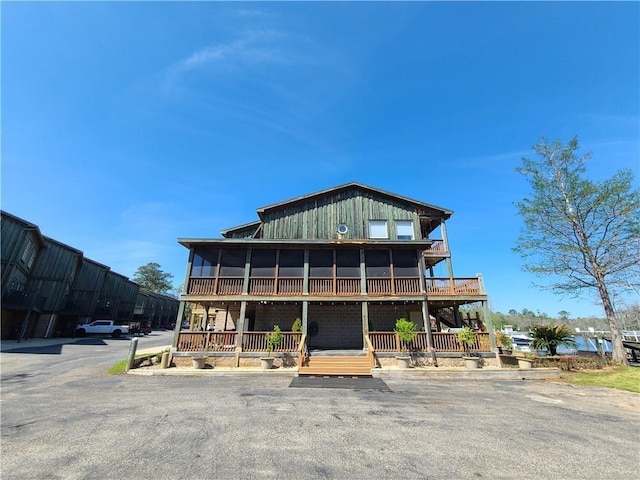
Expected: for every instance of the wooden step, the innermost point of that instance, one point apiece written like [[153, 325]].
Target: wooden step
[[337, 366]]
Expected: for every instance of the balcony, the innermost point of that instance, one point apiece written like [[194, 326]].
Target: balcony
[[335, 286]]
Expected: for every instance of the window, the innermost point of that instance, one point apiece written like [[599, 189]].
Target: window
[[29, 254], [404, 229], [378, 229]]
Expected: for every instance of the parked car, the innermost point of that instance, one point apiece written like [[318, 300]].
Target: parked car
[[101, 327], [168, 326], [138, 328]]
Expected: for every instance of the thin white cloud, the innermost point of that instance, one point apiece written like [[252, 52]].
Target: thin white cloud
[[255, 47]]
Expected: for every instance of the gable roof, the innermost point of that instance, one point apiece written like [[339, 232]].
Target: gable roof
[[351, 186]]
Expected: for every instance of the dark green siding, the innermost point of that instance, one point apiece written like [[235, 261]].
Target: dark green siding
[[319, 218]]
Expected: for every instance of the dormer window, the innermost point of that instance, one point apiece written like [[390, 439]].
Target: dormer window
[[378, 229], [404, 230]]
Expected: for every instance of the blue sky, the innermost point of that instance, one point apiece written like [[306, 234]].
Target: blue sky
[[128, 125]]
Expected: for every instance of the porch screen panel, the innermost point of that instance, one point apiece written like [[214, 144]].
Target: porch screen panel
[[348, 263], [321, 263], [405, 263], [263, 263], [205, 262], [232, 262], [291, 263], [378, 264]]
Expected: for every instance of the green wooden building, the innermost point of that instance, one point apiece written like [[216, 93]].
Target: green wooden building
[[49, 287], [347, 261]]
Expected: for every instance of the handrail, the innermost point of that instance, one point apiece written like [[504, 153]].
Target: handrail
[[302, 348], [370, 352]]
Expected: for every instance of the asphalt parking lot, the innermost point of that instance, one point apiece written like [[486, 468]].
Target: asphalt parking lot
[[93, 425]]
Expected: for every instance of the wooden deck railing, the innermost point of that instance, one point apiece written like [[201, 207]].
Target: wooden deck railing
[[370, 351], [457, 286], [226, 342], [230, 285], [302, 351], [257, 342], [442, 342], [436, 247], [341, 286], [348, 286], [320, 286], [207, 342]]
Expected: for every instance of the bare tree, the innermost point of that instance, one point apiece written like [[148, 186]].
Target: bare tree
[[579, 234]]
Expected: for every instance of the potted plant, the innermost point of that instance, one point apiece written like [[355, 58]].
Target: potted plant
[[525, 362], [200, 359], [274, 339], [467, 338], [406, 332], [504, 343], [297, 325]]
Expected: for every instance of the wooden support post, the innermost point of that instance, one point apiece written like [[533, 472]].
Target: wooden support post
[[363, 273], [176, 329], [305, 317], [489, 324], [247, 269], [427, 328], [241, 325], [240, 328], [365, 324], [305, 275]]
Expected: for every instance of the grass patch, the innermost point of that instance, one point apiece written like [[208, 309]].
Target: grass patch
[[622, 378], [118, 368]]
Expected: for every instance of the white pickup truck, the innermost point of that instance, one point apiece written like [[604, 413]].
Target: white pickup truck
[[101, 327]]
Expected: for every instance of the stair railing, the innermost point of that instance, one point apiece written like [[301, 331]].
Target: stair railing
[[303, 352], [370, 352]]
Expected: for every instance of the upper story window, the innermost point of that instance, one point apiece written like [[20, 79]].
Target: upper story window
[[29, 254], [404, 230], [378, 229]]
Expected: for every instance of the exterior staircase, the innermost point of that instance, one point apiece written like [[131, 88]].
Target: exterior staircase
[[336, 366]]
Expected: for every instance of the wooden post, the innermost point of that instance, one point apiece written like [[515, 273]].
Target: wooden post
[[247, 269], [365, 323], [305, 317], [487, 314], [176, 329], [305, 275], [363, 273], [427, 328], [240, 326]]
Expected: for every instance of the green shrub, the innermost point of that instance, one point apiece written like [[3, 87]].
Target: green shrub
[[274, 339], [406, 331], [297, 325]]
